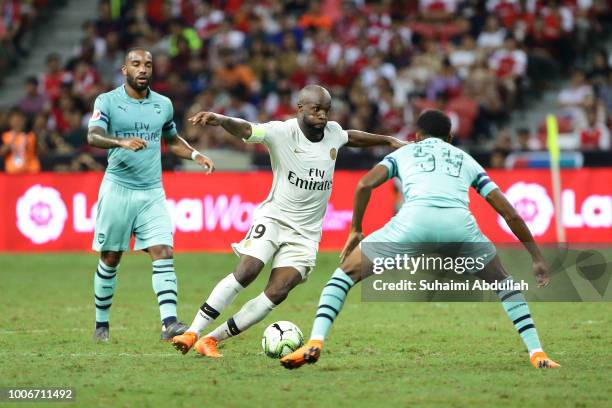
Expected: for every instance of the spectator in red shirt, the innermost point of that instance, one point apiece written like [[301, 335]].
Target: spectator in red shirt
[[284, 108], [60, 111], [208, 20], [596, 135], [53, 78], [437, 9], [510, 65], [86, 80], [557, 27]]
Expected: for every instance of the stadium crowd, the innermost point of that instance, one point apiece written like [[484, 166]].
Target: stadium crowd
[[17, 18], [383, 61]]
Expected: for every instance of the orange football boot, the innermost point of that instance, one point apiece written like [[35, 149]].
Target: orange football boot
[[539, 359], [207, 346], [184, 342], [307, 354]]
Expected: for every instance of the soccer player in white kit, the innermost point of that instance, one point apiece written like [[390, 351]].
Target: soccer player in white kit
[[286, 226]]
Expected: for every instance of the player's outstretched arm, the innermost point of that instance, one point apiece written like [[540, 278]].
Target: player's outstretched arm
[[234, 126], [357, 138], [374, 178], [179, 147], [518, 227], [97, 137]]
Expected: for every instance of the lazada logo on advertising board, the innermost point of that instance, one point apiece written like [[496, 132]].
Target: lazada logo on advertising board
[[231, 213], [42, 214], [45, 214], [535, 206]]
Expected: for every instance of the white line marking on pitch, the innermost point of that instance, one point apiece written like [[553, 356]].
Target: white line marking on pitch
[[38, 331], [93, 354]]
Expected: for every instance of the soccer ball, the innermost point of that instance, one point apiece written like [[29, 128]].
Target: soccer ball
[[281, 338]]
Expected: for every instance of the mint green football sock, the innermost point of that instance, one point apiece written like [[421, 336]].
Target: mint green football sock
[[332, 299], [165, 288], [516, 308], [105, 281]]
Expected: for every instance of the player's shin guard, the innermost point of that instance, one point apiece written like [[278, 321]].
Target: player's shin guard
[[165, 288], [331, 302], [105, 281], [251, 313], [515, 305], [222, 295]]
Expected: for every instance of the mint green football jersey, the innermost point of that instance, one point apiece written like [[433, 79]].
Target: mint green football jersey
[[151, 119], [434, 173]]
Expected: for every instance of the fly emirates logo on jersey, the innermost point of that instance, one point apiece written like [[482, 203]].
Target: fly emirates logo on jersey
[[315, 181], [141, 130]]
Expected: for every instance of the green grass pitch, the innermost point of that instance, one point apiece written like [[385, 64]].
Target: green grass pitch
[[391, 354]]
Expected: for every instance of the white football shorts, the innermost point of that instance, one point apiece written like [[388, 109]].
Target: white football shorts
[[269, 239]]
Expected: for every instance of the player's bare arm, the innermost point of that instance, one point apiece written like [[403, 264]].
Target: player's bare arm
[[97, 137], [374, 178], [179, 147], [234, 126], [518, 227], [357, 138]]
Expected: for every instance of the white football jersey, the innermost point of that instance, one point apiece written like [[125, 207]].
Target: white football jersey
[[303, 173]]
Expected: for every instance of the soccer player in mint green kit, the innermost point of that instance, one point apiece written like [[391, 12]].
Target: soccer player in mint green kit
[[131, 121], [435, 177]]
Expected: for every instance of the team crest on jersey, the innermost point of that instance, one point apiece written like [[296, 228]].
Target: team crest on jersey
[[157, 108], [333, 153], [101, 238], [96, 114]]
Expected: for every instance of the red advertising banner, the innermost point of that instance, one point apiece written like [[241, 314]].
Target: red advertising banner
[[586, 205], [56, 212]]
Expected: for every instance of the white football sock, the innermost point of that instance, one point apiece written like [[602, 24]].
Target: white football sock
[[251, 313], [222, 295], [532, 352]]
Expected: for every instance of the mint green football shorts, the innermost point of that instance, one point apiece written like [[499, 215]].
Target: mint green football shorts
[[123, 211], [419, 229]]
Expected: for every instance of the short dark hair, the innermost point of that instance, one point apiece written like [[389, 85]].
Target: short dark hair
[[434, 123], [53, 56], [239, 92], [130, 50], [31, 80], [15, 110]]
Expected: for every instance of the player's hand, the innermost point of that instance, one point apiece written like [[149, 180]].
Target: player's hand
[[352, 241], [540, 270], [206, 118], [396, 143], [205, 162], [133, 143]]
